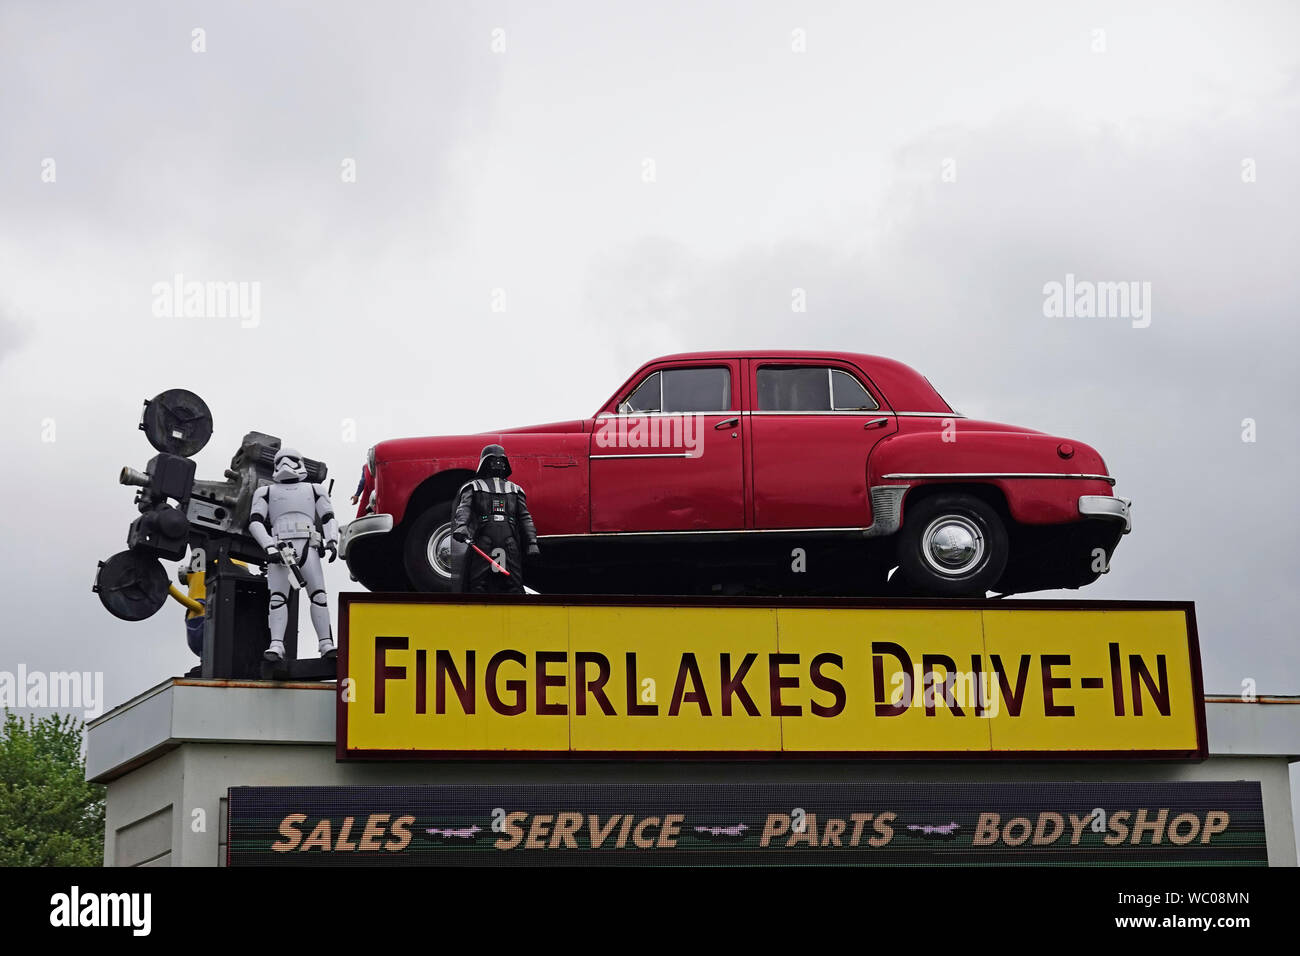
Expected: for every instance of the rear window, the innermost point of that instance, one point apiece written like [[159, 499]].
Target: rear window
[[806, 388]]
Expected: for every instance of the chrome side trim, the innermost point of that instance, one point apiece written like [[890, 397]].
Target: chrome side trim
[[839, 411], [363, 527], [663, 414], [874, 411], [733, 531], [657, 455], [1104, 506], [996, 474]]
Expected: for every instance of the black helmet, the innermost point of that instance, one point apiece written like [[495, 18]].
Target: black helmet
[[487, 459]]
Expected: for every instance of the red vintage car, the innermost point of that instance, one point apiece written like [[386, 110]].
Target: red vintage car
[[766, 472]]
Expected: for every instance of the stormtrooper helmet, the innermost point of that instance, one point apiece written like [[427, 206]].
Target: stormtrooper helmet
[[288, 466]]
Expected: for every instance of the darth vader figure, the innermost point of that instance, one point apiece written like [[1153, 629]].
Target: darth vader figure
[[492, 516]]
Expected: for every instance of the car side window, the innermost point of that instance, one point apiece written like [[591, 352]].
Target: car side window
[[697, 390], [681, 390], [848, 395], [793, 389], [805, 388], [645, 397]]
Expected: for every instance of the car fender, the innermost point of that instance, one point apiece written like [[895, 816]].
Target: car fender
[[550, 466], [1041, 477]]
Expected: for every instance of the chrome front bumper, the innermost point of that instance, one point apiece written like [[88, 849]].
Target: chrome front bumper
[[1105, 506], [363, 527]]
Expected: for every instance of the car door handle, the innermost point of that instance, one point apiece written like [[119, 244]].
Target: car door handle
[[876, 423], [727, 423]]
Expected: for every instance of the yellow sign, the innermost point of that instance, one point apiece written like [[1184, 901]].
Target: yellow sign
[[430, 675]]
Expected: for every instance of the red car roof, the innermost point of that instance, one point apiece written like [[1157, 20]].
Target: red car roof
[[906, 389]]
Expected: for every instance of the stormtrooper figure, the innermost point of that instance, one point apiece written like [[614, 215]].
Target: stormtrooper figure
[[287, 512], [492, 515]]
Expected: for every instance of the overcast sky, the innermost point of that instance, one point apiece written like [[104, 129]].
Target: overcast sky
[[634, 179]]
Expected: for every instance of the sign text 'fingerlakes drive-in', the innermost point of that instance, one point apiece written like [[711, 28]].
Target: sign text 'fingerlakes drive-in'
[[429, 676]]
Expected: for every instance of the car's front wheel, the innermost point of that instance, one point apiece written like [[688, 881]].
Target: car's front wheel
[[952, 545], [427, 554]]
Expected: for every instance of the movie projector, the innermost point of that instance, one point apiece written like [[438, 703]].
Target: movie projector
[[180, 514]]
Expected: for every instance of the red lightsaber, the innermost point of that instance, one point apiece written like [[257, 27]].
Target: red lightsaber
[[485, 557]]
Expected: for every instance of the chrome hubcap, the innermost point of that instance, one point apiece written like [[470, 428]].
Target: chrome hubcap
[[438, 550], [952, 545]]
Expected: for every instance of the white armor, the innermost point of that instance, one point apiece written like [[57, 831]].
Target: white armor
[[290, 511]]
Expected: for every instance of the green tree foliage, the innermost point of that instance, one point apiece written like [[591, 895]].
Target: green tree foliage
[[49, 814]]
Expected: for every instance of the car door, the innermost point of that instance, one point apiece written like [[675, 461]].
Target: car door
[[671, 457], [812, 426]]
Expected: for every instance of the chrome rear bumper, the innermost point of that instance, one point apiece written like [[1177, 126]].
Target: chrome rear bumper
[[1105, 506], [363, 527]]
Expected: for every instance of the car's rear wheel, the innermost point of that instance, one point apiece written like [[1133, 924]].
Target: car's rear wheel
[[952, 545], [427, 554]]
